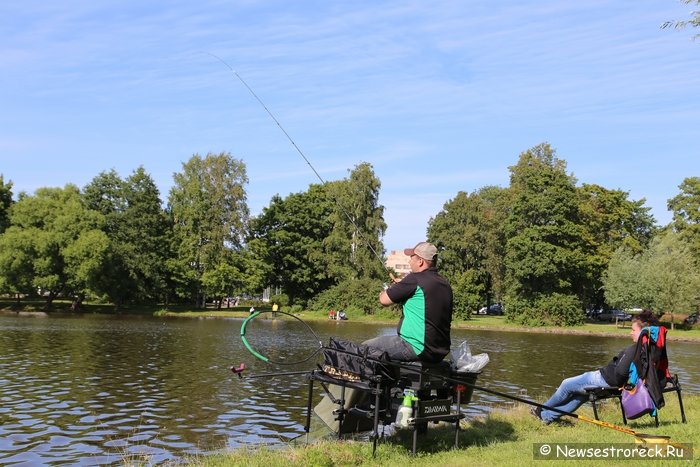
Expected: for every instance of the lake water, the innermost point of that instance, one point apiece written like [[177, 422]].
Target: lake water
[[100, 389]]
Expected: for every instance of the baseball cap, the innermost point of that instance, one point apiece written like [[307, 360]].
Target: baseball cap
[[425, 250]]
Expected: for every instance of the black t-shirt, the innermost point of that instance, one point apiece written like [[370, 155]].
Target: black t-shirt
[[426, 298]]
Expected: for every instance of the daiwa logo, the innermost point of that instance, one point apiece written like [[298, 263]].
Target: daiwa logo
[[436, 409]]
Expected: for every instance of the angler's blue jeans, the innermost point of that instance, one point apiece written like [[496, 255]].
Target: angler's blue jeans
[[571, 394], [398, 349]]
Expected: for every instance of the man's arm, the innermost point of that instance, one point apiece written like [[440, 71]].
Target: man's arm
[[384, 298]]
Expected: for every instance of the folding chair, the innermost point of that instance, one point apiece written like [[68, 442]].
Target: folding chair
[[651, 361]]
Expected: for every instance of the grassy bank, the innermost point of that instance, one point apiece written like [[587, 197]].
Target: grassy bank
[[504, 438], [494, 323]]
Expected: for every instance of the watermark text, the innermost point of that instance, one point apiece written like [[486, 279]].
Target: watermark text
[[612, 451]]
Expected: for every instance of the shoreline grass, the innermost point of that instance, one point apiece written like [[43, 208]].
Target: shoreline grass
[[505, 437]]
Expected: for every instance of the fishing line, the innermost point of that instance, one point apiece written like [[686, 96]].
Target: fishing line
[[323, 182]]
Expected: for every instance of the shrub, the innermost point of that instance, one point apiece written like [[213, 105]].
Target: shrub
[[358, 296], [280, 299], [555, 310]]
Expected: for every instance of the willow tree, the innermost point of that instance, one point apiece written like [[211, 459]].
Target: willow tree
[[210, 217], [664, 277]]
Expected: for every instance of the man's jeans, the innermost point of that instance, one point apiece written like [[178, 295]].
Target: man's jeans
[[571, 394], [398, 349]]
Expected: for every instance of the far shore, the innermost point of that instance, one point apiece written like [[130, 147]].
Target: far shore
[[480, 322]]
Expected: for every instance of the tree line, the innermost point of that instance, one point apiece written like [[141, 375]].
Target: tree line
[[545, 247]]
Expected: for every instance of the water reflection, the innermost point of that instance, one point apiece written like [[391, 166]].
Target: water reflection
[[98, 390]]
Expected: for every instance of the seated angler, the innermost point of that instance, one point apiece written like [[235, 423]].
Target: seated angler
[[423, 331], [571, 393]]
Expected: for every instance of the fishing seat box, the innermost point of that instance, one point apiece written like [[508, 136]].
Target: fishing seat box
[[424, 377]]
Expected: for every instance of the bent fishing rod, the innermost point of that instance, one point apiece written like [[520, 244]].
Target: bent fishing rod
[[301, 153]]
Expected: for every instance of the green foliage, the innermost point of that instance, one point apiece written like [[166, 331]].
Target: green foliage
[[220, 281], [663, 278], [209, 215], [312, 240], [288, 238], [281, 299], [468, 293], [555, 309], [546, 252], [353, 246], [17, 256], [686, 213], [469, 233], [351, 295], [53, 244], [610, 221], [5, 203], [133, 269]]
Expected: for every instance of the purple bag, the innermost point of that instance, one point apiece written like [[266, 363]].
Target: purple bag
[[637, 401]]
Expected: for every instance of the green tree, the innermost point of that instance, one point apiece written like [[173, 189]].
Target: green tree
[[209, 215], [17, 255], [610, 221], [5, 203], [221, 281], [469, 233], [54, 243], [148, 234], [137, 228], [686, 214], [623, 281], [354, 246], [287, 238], [546, 248], [672, 276], [117, 280], [663, 278], [354, 296]]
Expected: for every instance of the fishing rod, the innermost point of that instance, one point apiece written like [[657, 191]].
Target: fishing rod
[[301, 153]]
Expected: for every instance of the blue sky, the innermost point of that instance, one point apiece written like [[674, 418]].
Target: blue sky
[[439, 97]]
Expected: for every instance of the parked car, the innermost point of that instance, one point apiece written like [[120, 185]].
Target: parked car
[[692, 319], [593, 313], [493, 309], [614, 315]]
